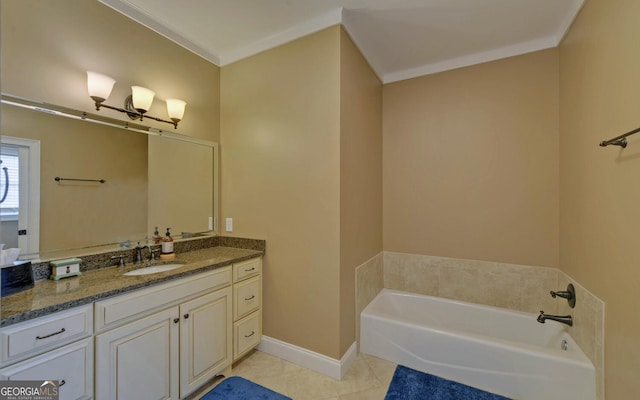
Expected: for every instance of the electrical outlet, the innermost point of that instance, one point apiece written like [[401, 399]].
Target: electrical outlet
[[229, 223], [210, 223]]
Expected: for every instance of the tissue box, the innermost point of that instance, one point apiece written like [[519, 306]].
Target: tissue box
[[16, 278], [65, 268], [8, 256]]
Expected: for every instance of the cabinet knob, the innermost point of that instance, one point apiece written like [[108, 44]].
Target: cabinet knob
[[186, 316], [176, 320]]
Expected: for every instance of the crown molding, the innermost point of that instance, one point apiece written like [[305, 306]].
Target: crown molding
[[472, 59], [141, 17], [331, 18]]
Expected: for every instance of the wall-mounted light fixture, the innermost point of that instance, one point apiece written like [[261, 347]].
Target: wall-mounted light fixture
[[136, 104]]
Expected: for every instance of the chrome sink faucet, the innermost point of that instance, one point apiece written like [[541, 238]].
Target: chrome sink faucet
[[565, 319], [120, 259], [153, 252], [139, 249]]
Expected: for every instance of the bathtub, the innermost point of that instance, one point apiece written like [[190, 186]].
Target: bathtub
[[494, 349]]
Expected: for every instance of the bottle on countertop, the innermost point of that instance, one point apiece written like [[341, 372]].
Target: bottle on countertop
[[157, 239], [167, 246]]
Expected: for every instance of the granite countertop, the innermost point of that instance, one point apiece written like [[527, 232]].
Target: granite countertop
[[49, 296]]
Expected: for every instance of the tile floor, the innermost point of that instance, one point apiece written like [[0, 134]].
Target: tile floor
[[367, 379]]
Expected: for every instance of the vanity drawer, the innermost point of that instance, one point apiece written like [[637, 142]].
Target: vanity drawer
[[247, 334], [118, 310], [247, 269], [246, 297], [36, 336], [71, 366]]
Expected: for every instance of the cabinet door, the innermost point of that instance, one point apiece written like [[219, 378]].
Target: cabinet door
[[139, 360], [71, 366], [205, 338]]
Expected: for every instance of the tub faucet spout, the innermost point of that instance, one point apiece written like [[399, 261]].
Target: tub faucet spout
[[565, 319]]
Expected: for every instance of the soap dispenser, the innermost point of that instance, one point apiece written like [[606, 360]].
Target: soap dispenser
[[157, 239], [167, 246]]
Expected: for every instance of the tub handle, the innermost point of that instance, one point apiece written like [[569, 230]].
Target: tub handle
[[569, 294]]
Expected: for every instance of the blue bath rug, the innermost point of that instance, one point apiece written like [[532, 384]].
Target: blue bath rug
[[237, 388], [409, 384]]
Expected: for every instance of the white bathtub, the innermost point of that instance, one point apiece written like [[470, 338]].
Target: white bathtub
[[494, 349]]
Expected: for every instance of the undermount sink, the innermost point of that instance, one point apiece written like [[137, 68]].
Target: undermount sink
[[154, 269]]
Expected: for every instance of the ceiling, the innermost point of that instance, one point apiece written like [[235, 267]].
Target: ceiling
[[401, 39]]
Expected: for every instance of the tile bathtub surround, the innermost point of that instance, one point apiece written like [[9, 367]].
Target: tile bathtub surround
[[369, 282], [516, 287], [588, 326]]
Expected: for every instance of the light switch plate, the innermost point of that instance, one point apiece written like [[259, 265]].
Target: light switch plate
[[229, 223]]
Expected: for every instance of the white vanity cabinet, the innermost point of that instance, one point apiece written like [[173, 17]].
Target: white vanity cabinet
[[165, 341], [55, 347], [158, 342], [247, 306]]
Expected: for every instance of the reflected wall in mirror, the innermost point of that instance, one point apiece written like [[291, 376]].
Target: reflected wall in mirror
[[180, 193], [150, 180]]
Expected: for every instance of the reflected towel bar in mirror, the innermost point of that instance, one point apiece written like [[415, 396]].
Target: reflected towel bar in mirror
[[58, 179], [619, 140]]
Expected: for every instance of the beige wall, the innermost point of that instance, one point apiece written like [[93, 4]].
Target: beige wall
[[360, 176], [599, 99], [471, 162], [280, 165], [301, 151], [47, 47]]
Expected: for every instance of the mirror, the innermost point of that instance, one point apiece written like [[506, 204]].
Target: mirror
[[101, 182]]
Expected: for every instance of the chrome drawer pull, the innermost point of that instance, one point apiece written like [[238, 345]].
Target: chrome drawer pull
[[51, 334], [253, 296], [251, 334]]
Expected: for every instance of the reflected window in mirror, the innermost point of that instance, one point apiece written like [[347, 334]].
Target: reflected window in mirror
[[19, 181]]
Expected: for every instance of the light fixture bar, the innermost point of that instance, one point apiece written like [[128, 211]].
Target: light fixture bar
[[133, 114], [136, 104], [75, 114]]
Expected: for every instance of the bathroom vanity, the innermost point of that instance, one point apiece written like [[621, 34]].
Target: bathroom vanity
[[161, 335]]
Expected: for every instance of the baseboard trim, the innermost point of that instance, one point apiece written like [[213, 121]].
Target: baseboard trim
[[309, 359]]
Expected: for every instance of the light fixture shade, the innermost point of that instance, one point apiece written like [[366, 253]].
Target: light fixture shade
[[175, 109], [99, 86], [142, 98]]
